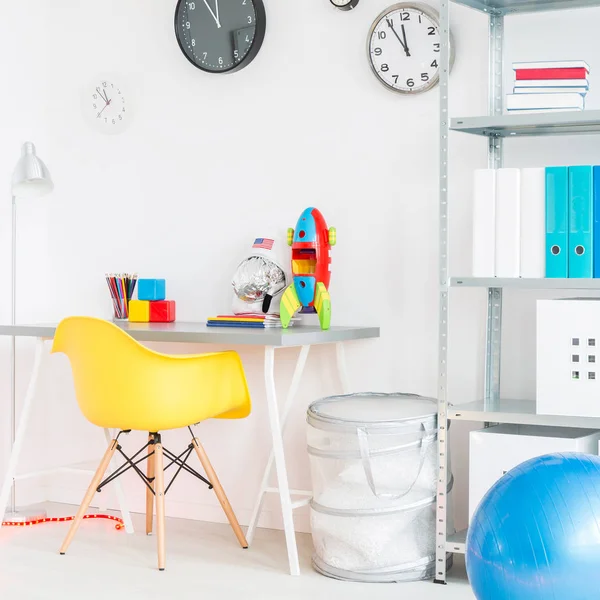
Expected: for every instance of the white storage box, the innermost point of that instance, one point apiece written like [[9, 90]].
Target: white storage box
[[568, 357], [374, 465], [496, 450]]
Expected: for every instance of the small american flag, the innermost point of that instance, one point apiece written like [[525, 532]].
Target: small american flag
[[265, 243]]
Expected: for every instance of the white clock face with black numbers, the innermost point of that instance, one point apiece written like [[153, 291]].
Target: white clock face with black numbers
[[404, 48], [105, 106]]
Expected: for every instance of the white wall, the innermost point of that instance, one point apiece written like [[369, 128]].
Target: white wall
[[211, 162]]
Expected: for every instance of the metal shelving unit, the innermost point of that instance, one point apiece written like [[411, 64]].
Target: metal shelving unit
[[496, 127]]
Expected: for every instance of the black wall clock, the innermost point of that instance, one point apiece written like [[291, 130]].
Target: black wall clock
[[220, 36]]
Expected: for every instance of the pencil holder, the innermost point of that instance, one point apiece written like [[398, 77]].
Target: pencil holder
[[121, 309], [121, 289]]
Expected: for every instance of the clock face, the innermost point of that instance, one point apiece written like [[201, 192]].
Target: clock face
[[220, 36], [404, 48], [105, 106]]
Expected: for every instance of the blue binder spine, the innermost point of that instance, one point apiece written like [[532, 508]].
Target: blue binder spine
[[596, 216], [557, 217], [581, 196]]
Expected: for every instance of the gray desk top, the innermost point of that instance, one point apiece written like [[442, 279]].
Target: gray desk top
[[199, 333]]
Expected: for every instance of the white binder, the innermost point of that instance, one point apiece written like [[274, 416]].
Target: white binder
[[484, 222], [508, 219], [533, 223]]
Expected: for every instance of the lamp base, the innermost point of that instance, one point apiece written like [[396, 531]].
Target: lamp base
[[25, 515]]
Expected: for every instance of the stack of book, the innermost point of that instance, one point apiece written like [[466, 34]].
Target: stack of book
[[549, 87], [248, 320]]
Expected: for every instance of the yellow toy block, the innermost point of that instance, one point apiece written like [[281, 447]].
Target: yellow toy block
[[139, 311]]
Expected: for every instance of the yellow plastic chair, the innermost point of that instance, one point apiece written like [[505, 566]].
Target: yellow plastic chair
[[122, 385]]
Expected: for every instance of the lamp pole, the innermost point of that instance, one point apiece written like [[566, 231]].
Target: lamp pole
[[31, 179], [13, 354]]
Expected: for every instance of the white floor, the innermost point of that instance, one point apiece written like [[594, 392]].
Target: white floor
[[203, 563]]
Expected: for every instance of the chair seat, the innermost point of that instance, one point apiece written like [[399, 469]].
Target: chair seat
[[121, 384]]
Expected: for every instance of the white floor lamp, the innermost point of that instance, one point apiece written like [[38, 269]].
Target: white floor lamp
[[31, 179]]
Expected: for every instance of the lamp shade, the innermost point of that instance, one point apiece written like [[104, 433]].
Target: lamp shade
[[31, 178]]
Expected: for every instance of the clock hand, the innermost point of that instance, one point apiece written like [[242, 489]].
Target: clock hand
[[401, 42], [405, 42], [107, 104], [212, 13], [102, 96]]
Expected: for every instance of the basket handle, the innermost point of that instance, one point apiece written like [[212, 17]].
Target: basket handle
[[365, 454]]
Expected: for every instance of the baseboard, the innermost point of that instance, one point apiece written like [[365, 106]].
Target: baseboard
[[196, 511]]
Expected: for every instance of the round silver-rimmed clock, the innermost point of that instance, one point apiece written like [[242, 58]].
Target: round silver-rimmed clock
[[404, 46]]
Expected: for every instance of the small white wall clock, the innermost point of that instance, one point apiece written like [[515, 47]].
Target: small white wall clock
[[105, 106], [403, 47]]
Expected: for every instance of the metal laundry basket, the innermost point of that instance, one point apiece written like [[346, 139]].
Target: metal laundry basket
[[374, 471]]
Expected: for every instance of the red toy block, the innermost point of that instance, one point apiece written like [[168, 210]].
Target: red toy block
[[162, 311]]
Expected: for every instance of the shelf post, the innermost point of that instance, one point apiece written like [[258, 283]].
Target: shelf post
[[494, 308], [495, 93], [493, 338], [442, 481]]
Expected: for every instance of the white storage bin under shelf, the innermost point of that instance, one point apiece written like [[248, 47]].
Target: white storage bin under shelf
[[496, 450]]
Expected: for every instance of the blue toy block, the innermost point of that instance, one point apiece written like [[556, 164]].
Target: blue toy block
[[152, 289]]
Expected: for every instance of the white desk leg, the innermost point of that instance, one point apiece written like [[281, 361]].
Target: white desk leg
[[20, 433], [342, 367], [300, 363], [282, 479], [108, 434]]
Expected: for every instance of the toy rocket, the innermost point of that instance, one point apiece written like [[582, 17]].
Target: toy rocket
[[311, 268]]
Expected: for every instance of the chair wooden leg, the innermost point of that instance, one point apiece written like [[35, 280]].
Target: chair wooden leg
[[89, 494], [149, 494], [220, 492], [159, 489]]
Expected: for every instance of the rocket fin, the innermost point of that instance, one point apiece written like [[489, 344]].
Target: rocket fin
[[289, 305], [323, 305]]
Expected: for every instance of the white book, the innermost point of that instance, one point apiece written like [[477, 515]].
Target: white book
[[539, 101], [558, 84], [484, 222], [552, 64], [533, 223], [556, 90], [508, 223]]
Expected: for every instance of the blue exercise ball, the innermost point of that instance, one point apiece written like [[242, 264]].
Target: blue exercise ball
[[536, 533]]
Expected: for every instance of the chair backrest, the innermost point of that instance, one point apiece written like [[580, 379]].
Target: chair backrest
[[121, 384]]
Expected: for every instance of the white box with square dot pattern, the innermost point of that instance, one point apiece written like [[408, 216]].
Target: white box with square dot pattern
[[568, 357]]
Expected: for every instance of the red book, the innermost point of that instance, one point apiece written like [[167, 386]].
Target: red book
[[575, 73]]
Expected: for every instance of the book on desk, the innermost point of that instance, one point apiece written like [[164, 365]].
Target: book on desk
[[248, 320]]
